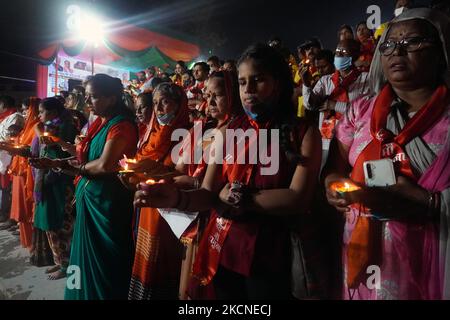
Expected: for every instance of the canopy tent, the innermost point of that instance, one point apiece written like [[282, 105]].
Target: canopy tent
[[127, 46], [153, 57], [123, 46]]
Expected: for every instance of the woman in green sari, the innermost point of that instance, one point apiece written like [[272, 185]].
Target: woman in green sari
[[101, 254], [53, 190]]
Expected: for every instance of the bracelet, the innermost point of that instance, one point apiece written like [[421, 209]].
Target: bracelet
[[82, 169], [196, 183]]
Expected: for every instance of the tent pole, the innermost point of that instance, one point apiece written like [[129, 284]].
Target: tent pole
[[92, 58], [56, 74]]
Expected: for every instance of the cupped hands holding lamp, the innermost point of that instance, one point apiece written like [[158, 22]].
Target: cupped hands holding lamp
[[16, 149], [405, 120], [47, 138]]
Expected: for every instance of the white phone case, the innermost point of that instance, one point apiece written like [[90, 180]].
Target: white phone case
[[379, 173]]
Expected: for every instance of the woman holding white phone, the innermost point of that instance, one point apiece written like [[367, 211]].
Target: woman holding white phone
[[395, 243]]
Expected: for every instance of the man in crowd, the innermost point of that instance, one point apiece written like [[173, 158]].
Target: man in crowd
[[9, 117], [141, 77], [195, 93], [214, 64], [324, 63], [307, 52], [333, 94]]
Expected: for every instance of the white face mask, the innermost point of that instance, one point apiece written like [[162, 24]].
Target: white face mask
[[399, 11]]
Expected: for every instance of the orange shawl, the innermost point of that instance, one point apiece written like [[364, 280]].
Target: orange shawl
[[158, 144], [19, 165]]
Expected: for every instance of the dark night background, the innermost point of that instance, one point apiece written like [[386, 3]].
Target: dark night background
[[223, 27]]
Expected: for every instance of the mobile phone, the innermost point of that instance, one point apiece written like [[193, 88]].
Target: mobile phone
[[379, 173]]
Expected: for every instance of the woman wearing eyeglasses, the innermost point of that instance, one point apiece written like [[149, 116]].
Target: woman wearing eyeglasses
[[395, 243]]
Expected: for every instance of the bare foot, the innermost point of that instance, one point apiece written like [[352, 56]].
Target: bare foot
[[57, 275], [52, 269]]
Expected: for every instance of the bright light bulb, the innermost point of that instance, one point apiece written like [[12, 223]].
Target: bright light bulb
[[91, 29]]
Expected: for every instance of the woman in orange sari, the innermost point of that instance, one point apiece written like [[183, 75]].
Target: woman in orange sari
[[157, 262], [23, 182]]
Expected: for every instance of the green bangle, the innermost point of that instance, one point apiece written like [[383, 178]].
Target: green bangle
[[81, 170]]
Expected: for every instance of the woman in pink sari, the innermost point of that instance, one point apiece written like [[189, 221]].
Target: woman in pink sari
[[396, 237]]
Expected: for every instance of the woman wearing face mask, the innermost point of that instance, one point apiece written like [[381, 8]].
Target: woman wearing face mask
[[250, 256], [333, 94], [53, 191], [157, 262], [402, 228]]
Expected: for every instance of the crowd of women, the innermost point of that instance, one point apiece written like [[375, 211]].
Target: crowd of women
[[89, 179]]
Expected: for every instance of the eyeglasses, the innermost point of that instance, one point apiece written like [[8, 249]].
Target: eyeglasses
[[342, 51], [409, 44]]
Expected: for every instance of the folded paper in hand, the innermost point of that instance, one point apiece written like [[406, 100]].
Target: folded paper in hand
[[178, 221]]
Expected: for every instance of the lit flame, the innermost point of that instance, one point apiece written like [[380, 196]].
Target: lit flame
[[129, 160], [46, 134], [344, 187], [150, 181], [307, 61]]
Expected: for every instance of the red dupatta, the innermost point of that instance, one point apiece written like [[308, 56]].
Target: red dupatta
[[208, 256], [83, 147], [7, 113], [363, 247]]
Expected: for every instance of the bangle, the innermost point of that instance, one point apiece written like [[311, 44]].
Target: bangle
[[196, 183], [82, 170]]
